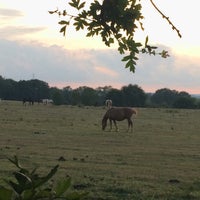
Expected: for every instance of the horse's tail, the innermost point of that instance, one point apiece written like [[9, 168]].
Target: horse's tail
[[104, 121]]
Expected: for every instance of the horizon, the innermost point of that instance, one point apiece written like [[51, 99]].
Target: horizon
[[119, 87]]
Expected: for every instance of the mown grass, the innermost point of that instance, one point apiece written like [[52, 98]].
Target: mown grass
[[159, 160]]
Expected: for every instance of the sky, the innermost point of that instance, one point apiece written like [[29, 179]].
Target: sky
[[31, 47]]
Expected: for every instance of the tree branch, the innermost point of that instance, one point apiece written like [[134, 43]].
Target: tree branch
[[167, 18]]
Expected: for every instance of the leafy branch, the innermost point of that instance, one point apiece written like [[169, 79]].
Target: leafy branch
[[114, 21]]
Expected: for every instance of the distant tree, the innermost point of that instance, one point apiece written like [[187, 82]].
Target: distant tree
[[89, 96], [184, 102], [164, 97], [2, 82], [101, 93], [11, 89], [67, 95], [40, 89], [76, 96], [34, 89], [198, 103], [116, 96], [8, 89], [184, 94], [133, 95], [115, 21], [57, 96]]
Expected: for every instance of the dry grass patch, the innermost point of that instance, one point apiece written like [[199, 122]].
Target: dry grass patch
[[159, 160]]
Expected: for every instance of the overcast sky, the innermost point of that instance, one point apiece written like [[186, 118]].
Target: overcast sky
[[32, 47]]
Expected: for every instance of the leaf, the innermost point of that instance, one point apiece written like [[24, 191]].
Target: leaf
[[16, 187], [44, 194], [111, 40], [78, 24], [118, 36], [41, 180], [154, 47], [63, 30], [62, 187], [126, 58], [90, 34], [15, 161], [22, 179], [5, 194], [146, 41], [81, 5], [75, 3], [63, 22], [128, 64], [28, 194], [51, 12], [121, 50]]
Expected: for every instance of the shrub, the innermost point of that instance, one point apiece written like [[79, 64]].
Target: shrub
[[30, 186]]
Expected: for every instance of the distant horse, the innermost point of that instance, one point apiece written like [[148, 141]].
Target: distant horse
[[108, 103], [29, 100], [47, 101], [118, 114]]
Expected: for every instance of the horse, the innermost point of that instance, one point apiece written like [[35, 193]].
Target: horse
[[29, 100], [47, 101], [118, 114], [108, 103]]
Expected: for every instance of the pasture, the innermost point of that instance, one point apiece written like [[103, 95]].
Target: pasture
[[159, 160]]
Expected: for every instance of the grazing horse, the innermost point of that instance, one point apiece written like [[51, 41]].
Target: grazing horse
[[118, 114], [108, 103]]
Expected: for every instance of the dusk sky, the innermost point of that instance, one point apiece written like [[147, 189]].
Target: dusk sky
[[32, 47]]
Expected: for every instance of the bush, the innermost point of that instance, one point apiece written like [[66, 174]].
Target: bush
[[30, 186]]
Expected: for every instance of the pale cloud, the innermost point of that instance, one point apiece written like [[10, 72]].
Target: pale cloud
[[63, 67], [18, 31], [6, 14], [106, 71], [191, 62], [9, 30]]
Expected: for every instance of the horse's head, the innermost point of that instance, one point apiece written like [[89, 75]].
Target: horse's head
[[104, 123]]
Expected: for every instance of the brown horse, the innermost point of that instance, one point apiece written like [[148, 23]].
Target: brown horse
[[118, 114]]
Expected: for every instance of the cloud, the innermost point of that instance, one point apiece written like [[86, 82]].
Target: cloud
[[6, 14], [12, 31], [106, 71], [61, 67], [18, 31]]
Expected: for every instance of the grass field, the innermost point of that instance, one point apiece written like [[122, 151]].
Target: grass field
[[159, 160]]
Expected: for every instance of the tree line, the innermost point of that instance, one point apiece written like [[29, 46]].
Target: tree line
[[130, 95]]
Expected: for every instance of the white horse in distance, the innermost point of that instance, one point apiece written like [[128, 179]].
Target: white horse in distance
[[108, 103]]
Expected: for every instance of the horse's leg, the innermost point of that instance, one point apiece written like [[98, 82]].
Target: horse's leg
[[110, 124], [130, 123], [116, 126]]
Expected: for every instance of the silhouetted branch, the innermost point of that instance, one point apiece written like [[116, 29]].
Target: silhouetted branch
[[167, 18]]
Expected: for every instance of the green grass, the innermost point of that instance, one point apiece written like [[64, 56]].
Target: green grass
[[164, 146]]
